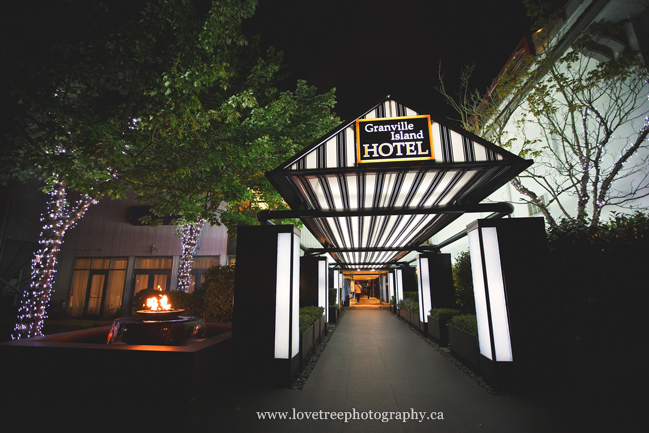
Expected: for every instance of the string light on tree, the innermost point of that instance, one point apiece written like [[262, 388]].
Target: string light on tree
[[188, 238], [58, 218]]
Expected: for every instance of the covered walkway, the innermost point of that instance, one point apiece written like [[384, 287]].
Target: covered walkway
[[375, 362]]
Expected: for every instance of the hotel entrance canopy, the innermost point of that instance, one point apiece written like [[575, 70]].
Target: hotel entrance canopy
[[369, 215]]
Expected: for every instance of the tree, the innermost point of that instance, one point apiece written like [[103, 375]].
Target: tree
[[463, 281], [582, 119], [217, 175], [164, 98], [89, 89], [189, 233]]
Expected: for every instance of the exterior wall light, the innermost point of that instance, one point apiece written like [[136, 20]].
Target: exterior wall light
[[265, 324], [505, 294]]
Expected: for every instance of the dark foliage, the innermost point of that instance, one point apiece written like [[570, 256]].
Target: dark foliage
[[444, 314], [216, 295], [463, 280], [309, 315], [597, 301], [466, 322], [411, 295], [333, 302]]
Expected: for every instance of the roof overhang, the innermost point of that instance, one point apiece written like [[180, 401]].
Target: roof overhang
[[370, 215]]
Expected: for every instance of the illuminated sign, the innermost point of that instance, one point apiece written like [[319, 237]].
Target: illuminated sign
[[394, 139]]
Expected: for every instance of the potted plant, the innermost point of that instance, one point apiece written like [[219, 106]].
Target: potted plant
[[438, 318], [393, 305], [463, 340]]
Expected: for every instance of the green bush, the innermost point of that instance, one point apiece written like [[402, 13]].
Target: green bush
[[463, 281], [596, 298], [466, 322], [393, 300], [314, 311], [308, 316], [408, 304], [444, 314], [332, 297], [216, 295], [411, 295]]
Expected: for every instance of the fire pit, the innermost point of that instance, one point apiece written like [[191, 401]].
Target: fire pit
[[160, 324], [159, 309]]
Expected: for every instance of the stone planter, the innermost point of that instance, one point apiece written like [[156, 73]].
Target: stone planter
[[306, 344], [414, 319], [438, 331], [464, 347]]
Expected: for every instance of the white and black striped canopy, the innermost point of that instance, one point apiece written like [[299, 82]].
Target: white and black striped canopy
[[325, 179]]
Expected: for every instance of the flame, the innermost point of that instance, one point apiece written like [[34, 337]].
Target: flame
[[155, 305]]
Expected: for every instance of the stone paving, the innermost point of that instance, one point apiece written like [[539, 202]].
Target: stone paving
[[374, 362]]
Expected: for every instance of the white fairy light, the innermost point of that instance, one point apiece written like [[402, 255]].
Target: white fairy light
[[188, 239], [35, 300]]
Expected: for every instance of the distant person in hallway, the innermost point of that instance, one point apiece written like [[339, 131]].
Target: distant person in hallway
[[357, 291]]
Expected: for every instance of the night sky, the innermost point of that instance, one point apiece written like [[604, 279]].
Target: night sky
[[368, 49]]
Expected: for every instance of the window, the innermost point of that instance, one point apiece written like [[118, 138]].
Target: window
[[152, 273], [97, 286], [533, 209], [199, 266]]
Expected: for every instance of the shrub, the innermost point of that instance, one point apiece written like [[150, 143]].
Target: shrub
[[466, 322], [595, 298], [305, 322], [409, 305], [444, 314], [332, 297], [463, 281], [411, 295], [393, 300], [316, 312], [309, 315], [216, 295]]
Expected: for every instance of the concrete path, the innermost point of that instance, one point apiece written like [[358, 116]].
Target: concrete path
[[374, 362]]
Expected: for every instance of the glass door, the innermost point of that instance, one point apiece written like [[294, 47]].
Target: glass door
[[95, 293]]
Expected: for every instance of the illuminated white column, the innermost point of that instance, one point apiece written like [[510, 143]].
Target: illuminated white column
[[266, 291], [502, 251], [391, 290], [398, 281], [323, 276], [424, 288], [335, 284]]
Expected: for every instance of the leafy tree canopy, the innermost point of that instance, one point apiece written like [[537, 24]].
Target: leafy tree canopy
[[84, 80], [165, 98]]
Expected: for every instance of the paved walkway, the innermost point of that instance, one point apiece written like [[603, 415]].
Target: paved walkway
[[374, 362]]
